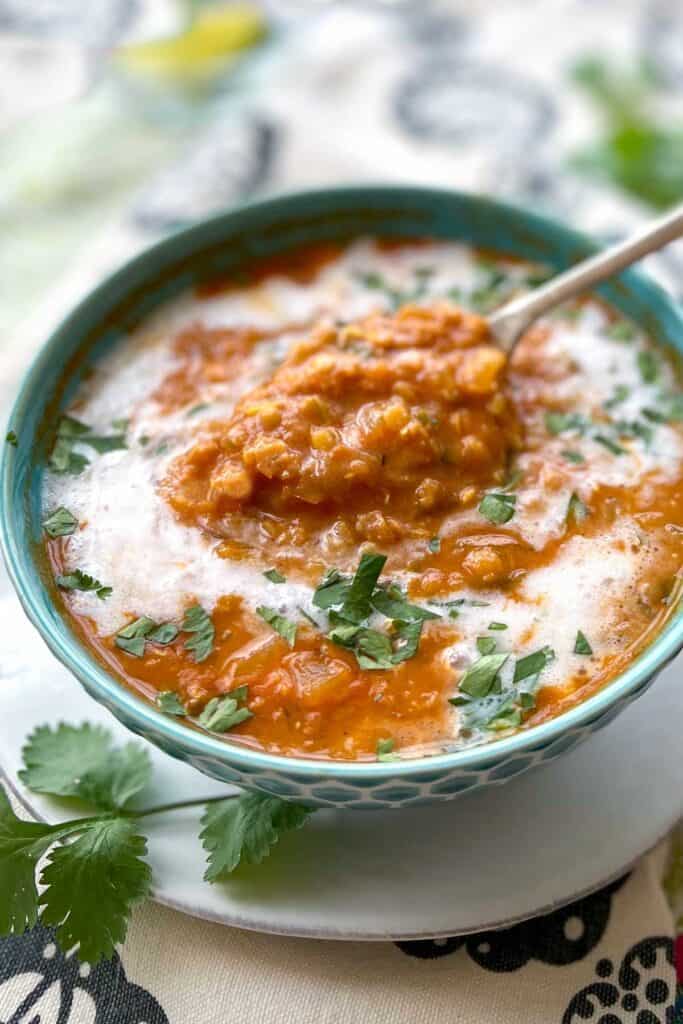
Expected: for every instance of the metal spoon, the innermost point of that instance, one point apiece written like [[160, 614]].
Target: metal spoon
[[510, 321]]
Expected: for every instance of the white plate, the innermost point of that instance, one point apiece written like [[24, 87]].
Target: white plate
[[482, 861]]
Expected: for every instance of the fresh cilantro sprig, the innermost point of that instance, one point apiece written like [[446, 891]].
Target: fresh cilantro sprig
[[92, 868]]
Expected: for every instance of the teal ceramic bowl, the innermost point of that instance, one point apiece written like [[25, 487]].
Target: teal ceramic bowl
[[219, 245]]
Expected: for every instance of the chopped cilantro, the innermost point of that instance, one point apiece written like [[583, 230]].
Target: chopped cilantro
[[486, 644], [78, 580], [198, 622], [309, 618], [562, 422], [648, 365], [170, 703], [11, 438], [356, 606], [131, 638], [480, 677], [200, 407], [224, 713], [576, 510], [498, 508], [385, 750], [63, 458], [61, 523], [609, 444], [572, 456], [373, 649], [435, 545], [163, 634], [532, 664], [408, 634], [619, 395], [279, 623], [331, 590], [497, 625], [581, 645], [392, 604], [274, 576], [621, 330]]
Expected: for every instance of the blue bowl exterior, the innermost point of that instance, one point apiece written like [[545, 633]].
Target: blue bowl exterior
[[219, 245]]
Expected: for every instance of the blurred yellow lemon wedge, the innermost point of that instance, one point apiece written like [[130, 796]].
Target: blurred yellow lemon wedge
[[216, 35]]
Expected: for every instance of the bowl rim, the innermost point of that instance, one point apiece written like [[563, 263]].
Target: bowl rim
[[142, 713]]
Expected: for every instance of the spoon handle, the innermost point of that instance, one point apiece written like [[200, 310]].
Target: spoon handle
[[508, 322]]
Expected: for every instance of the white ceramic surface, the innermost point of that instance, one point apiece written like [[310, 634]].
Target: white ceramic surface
[[482, 861]]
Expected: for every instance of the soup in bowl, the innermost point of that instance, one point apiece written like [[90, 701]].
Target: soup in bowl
[[301, 522]]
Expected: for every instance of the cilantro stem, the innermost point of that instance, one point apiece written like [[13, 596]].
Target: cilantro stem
[[162, 808]]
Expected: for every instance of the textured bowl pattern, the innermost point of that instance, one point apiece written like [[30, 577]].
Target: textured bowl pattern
[[218, 246]]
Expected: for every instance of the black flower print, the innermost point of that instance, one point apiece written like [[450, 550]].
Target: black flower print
[[42, 985], [563, 937], [641, 992]]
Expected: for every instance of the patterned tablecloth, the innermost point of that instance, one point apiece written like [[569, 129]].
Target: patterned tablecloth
[[573, 106]]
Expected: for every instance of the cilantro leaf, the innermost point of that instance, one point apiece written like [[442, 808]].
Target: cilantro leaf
[[102, 444], [91, 885], [498, 508], [572, 456], [245, 829], [63, 458], [619, 395], [561, 422], [60, 523], [163, 634], [279, 623], [11, 438], [373, 649], [22, 844], [331, 590], [81, 761], [391, 603], [274, 576], [581, 645], [131, 638], [576, 510], [223, 713], [385, 750], [532, 664], [609, 444], [621, 330], [409, 634], [169, 702], [356, 605], [480, 677], [197, 621], [648, 365], [486, 644], [78, 580], [69, 426]]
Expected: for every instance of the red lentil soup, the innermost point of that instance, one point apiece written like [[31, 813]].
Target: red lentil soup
[[318, 512]]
